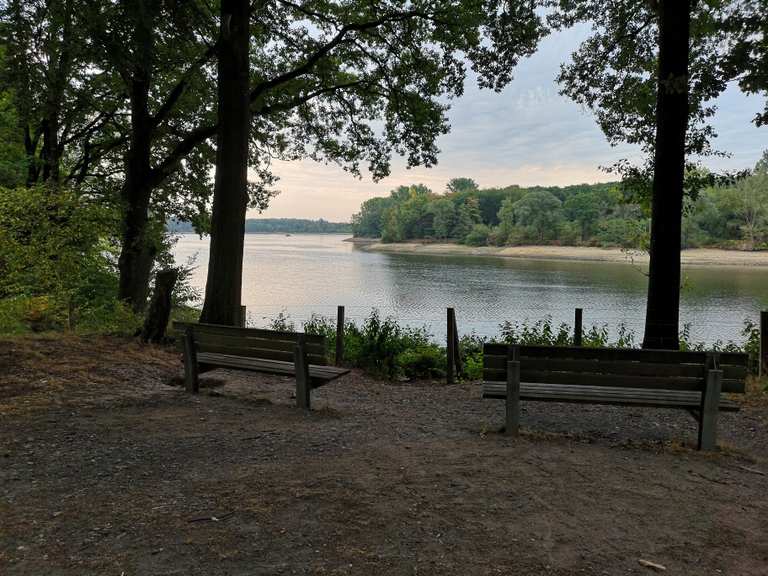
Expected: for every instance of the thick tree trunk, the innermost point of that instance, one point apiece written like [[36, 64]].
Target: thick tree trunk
[[138, 251], [160, 308], [230, 196], [663, 307]]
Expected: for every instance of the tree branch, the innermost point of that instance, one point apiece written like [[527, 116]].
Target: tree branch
[[325, 49], [182, 84]]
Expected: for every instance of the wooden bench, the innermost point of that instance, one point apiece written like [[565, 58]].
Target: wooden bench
[[693, 381], [210, 346]]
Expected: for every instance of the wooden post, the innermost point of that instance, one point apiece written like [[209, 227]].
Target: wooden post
[[339, 335], [512, 421], [156, 321], [243, 316], [710, 399], [190, 362], [451, 347], [763, 359], [456, 347], [301, 367], [577, 328]]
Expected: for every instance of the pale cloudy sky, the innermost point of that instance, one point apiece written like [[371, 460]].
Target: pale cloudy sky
[[528, 134]]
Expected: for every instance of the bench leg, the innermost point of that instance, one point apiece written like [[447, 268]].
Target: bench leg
[[512, 425], [191, 380], [710, 401], [303, 386]]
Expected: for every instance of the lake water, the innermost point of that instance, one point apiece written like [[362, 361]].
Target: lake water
[[302, 274]]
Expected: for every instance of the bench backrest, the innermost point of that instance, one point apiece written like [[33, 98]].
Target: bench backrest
[[620, 367], [252, 342]]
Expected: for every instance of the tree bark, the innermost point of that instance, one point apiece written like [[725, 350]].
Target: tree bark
[[663, 305], [156, 321], [230, 196], [137, 252]]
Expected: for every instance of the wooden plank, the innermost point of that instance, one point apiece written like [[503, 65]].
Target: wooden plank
[[631, 354], [733, 372], [623, 381], [450, 347], [339, 336], [617, 354], [732, 386], [191, 379], [512, 420], [284, 355], [301, 367], [252, 332], [709, 409], [269, 366], [627, 397], [204, 339], [619, 367]]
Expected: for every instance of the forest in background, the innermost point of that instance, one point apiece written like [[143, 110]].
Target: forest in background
[[733, 215], [275, 225]]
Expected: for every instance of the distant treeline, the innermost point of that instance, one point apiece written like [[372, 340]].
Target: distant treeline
[[277, 225], [733, 216]]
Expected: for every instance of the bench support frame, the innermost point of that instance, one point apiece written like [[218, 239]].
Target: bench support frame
[[303, 386], [512, 403], [710, 399], [191, 369]]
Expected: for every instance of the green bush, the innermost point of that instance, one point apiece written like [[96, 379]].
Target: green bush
[[384, 348], [478, 236], [422, 362], [58, 263], [471, 349]]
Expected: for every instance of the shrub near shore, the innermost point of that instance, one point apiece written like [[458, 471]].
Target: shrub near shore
[[384, 348]]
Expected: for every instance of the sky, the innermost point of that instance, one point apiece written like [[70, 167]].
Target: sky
[[527, 135]]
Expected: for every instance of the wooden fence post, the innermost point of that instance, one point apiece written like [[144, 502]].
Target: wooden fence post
[[301, 366], [577, 328], [242, 316], [451, 346], [456, 347], [763, 359], [339, 335]]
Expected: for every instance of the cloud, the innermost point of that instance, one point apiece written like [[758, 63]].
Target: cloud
[[528, 134]]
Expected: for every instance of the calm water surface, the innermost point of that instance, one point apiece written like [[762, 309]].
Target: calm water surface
[[302, 274]]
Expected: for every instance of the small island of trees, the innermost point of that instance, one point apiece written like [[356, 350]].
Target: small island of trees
[[729, 215]]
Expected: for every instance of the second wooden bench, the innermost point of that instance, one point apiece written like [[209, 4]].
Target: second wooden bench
[[693, 381]]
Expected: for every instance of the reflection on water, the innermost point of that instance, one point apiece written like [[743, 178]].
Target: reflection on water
[[301, 274]]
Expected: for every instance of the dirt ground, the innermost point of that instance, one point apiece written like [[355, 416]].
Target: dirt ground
[[105, 468]]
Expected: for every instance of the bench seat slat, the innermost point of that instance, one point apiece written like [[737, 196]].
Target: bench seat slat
[[280, 355], [324, 373], [598, 379], [606, 395]]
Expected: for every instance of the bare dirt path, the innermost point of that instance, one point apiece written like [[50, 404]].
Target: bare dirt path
[[109, 470]]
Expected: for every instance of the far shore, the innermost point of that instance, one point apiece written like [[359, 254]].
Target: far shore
[[691, 257]]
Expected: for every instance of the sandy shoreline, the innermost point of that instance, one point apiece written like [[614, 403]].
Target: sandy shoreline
[[692, 257]]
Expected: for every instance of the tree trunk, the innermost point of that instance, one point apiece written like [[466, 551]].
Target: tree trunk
[[160, 308], [663, 306], [230, 196], [137, 251]]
